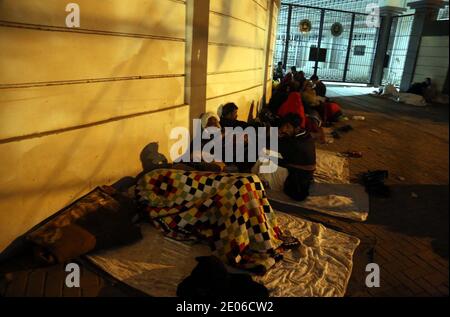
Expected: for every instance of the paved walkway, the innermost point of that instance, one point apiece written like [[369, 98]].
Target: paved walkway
[[406, 234], [409, 230]]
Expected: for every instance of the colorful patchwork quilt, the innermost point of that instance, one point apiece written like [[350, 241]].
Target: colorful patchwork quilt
[[230, 211]]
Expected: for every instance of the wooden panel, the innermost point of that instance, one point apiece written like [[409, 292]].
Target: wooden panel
[[42, 175], [36, 283], [38, 56], [3, 285], [156, 17], [263, 3], [434, 52], [248, 11], [54, 283], [268, 91], [242, 99], [223, 58], [90, 283], [434, 41], [432, 71], [18, 284], [439, 62], [71, 291], [223, 29], [21, 109], [220, 84]]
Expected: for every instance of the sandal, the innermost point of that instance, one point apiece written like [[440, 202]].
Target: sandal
[[290, 242]]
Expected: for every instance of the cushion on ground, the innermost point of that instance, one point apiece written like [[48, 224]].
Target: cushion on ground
[[101, 219]]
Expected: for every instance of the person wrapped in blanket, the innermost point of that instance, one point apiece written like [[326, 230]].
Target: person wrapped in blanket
[[229, 211], [296, 160]]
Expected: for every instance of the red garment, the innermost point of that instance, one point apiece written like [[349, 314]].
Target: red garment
[[311, 125], [331, 110], [287, 79], [293, 104]]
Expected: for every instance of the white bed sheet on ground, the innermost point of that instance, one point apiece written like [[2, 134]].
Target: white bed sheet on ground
[[156, 265], [331, 168], [348, 201], [332, 193]]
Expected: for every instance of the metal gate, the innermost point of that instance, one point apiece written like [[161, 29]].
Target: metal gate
[[334, 44], [397, 49]]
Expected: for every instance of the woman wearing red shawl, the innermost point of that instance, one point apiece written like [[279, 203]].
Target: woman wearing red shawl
[[293, 104]]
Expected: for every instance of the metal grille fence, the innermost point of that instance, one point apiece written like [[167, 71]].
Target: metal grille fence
[[397, 49], [343, 56]]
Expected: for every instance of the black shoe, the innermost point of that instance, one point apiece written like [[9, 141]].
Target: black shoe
[[375, 177], [335, 135], [345, 128]]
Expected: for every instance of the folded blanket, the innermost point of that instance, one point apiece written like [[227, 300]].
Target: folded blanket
[[230, 211]]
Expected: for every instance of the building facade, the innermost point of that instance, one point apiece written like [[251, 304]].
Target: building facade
[[349, 54]]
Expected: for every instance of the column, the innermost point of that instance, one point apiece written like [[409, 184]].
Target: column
[[387, 13], [425, 10], [268, 58], [197, 33]]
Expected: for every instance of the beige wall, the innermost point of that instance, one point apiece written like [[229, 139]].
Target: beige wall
[[77, 106], [238, 35], [432, 60]]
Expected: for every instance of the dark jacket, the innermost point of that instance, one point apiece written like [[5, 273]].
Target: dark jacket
[[298, 150]]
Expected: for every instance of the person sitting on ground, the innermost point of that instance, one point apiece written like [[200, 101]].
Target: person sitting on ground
[[298, 151], [293, 102], [290, 76], [425, 89], [229, 116], [330, 112], [309, 96], [296, 160], [279, 96], [228, 119], [196, 158], [420, 88], [301, 79], [313, 105], [319, 86], [279, 105], [279, 72]]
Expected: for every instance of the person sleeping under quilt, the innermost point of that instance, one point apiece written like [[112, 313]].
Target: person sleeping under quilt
[[229, 211]]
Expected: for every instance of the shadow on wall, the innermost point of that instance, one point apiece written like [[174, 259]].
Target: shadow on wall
[[104, 150], [145, 49], [150, 158]]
